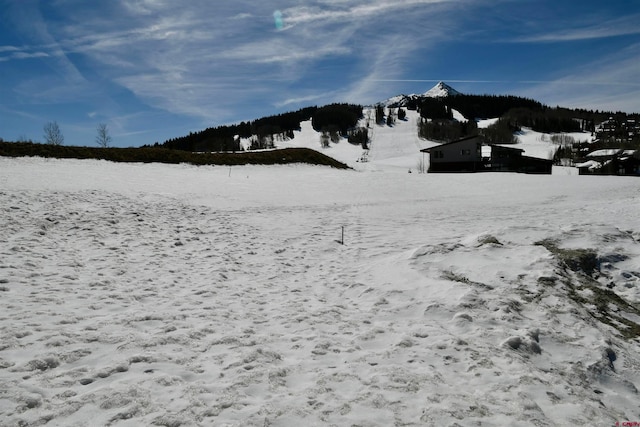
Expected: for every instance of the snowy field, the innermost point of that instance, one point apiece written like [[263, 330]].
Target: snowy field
[[174, 295]]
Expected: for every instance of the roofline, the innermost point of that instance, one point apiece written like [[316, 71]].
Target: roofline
[[428, 150], [506, 148]]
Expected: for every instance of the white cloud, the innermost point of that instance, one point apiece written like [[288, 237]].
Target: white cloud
[[29, 20], [626, 25], [206, 59], [281, 51], [200, 58], [303, 99], [385, 62], [29, 55], [8, 49], [144, 7], [359, 11], [607, 83]]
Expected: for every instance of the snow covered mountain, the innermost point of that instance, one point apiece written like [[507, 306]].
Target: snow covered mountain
[[441, 89]]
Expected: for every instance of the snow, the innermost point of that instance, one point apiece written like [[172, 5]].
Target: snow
[[391, 147], [457, 115], [537, 144], [175, 295], [591, 164], [441, 90], [604, 153], [398, 100], [485, 123], [540, 145]]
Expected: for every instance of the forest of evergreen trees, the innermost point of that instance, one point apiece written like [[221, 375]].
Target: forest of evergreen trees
[[489, 106], [223, 138], [333, 118], [514, 113], [336, 117]]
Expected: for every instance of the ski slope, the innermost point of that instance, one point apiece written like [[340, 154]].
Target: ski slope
[[397, 148]]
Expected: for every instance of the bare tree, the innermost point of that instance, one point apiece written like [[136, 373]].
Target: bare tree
[[52, 134], [103, 139]]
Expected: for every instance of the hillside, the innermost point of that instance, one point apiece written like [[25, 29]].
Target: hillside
[[395, 131], [163, 155], [398, 147], [532, 126]]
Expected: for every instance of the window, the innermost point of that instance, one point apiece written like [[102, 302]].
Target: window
[[465, 152]]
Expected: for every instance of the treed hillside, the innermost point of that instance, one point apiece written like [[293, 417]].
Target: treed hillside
[[164, 155], [514, 113], [516, 110], [263, 131], [437, 122]]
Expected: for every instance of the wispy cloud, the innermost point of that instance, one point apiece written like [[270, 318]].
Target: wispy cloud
[[22, 55], [182, 59], [356, 10], [207, 63], [281, 51], [174, 58], [302, 99], [8, 49], [30, 21], [144, 7], [626, 25], [598, 84], [386, 61]]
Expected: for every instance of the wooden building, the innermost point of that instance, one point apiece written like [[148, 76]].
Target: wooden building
[[466, 155]]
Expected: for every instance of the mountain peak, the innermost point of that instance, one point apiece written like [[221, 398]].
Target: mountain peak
[[441, 89]]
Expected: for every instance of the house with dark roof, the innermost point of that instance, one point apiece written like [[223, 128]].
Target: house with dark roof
[[462, 155], [470, 154]]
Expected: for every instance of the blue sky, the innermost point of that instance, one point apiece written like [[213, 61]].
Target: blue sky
[[156, 69]]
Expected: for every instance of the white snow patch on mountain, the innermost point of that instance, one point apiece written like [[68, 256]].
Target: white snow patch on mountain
[[399, 146], [441, 89]]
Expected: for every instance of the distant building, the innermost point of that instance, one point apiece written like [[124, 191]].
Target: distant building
[[617, 130], [470, 154], [612, 161], [462, 155]]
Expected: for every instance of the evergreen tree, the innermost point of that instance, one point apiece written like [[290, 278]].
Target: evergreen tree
[[379, 114]]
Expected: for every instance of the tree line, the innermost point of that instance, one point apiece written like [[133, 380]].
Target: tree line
[[513, 113], [53, 135], [265, 131]]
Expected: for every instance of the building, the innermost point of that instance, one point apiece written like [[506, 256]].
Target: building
[[470, 154], [617, 130], [462, 155], [611, 161]]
